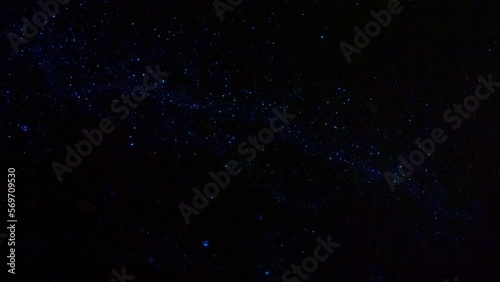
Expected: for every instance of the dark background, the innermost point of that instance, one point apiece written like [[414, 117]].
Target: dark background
[[322, 176]]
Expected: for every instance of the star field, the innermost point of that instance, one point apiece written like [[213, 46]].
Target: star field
[[323, 174]]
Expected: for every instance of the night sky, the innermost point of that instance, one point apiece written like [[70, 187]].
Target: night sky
[[322, 175]]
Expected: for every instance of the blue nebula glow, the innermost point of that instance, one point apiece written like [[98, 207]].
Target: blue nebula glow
[[267, 272], [205, 243]]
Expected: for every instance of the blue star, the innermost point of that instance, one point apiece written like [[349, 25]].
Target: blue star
[[205, 243]]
